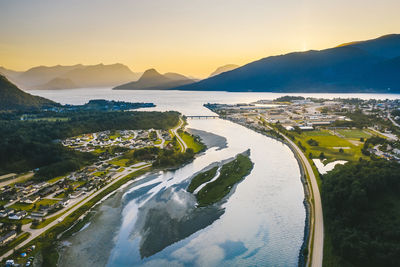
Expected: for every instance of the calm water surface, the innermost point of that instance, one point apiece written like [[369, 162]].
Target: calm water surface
[[155, 222]]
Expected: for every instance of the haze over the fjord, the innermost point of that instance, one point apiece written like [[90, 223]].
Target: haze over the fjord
[[192, 38]]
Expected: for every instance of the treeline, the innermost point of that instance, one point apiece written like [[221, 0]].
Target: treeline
[[362, 212], [26, 145], [288, 98], [372, 141], [169, 157]]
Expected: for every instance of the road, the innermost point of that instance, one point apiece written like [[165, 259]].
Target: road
[[392, 120], [37, 232], [161, 138], [17, 179], [180, 140], [317, 221], [387, 135]]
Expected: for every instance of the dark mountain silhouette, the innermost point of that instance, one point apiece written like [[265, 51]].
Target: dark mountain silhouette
[[224, 68], [153, 80], [12, 98], [367, 66]]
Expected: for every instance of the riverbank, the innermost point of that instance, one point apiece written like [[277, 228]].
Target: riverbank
[[306, 251]]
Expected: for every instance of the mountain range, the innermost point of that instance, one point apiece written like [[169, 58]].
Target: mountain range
[[364, 66], [65, 77], [153, 80], [12, 98]]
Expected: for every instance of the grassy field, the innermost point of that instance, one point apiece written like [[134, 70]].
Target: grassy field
[[191, 142], [202, 178], [316, 133], [231, 173], [329, 144], [55, 179], [353, 134], [35, 206], [100, 173], [122, 162]]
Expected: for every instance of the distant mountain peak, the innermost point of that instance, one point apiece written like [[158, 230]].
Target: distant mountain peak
[[225, 68], [153, 80]]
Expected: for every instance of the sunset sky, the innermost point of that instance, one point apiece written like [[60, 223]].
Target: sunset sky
[[192, 37]]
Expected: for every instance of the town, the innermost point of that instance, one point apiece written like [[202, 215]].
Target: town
[[330, 131], [29, 207]]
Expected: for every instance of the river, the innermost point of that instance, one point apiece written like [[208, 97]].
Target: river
[[155, 222]]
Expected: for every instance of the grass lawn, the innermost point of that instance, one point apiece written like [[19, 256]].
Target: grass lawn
[[316, 133], [157, 142], [354, 134], [202, 178], [122, 162], [375, 133], [191, 142], [55, 179], [35, 206], [45, 202], [21, 206], [99, 150], [99, 174], [114, 136]]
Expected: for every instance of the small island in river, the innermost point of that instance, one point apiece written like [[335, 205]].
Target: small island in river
[[213, 185]]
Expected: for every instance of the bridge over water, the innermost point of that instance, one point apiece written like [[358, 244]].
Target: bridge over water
[[202, 117]]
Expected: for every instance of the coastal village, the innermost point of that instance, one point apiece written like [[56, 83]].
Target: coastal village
[[28, 205]]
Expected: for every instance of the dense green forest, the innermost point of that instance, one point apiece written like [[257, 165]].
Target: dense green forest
[[288, 98], [26, 145], [362, 212]]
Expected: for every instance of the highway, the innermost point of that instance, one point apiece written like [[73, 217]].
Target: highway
[[393, 121], [317, 221], [316, 218]]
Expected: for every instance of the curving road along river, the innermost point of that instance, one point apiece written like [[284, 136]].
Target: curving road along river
[[317, 220], [180, 140]]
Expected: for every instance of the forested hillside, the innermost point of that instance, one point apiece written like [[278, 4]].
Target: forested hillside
[[12, 98], [362, 213], [25, 145]]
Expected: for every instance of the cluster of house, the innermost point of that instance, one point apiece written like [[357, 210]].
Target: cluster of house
[[386, 152], [304, 114], [92, 178], [132, 139], [24, 192], [29, 193]]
